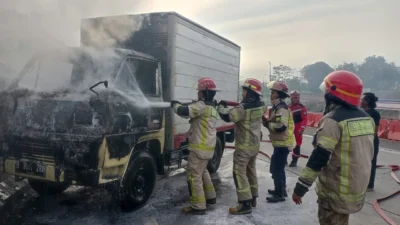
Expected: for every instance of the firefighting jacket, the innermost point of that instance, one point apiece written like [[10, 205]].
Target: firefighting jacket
[[281, 126], [202, 134], [299, 112], [341, 159], [247, 119]]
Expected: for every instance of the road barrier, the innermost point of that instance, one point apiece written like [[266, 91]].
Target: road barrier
[[388, 129]]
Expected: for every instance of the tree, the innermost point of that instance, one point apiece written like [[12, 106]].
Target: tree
[[296, 83], [377, 74], [281, 73], [315, 74], [351, 67]]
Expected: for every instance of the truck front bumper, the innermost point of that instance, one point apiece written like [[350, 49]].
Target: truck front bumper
[[55, 174]]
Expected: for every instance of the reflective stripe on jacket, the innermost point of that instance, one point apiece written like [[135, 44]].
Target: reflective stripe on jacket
[[202, 134], [281, 126], [247, 118], [347, 133]]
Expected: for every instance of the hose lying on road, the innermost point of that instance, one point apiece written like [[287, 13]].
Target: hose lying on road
[[376, 205]]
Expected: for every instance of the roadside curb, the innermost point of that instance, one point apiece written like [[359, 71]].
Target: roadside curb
[[10, 192]]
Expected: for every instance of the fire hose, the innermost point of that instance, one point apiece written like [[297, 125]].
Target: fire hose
[[376, 205]]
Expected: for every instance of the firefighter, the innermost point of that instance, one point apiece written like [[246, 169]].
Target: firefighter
[[202, 140], [247, 118], [299, 112], [281, 126], [344, 150]]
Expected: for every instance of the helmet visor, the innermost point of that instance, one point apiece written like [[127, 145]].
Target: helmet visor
[[323, 87], [271, 85]]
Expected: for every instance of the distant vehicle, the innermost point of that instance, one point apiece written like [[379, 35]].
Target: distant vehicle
[[58, 135]]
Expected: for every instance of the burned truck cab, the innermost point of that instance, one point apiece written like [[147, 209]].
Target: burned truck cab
[[87, 121]]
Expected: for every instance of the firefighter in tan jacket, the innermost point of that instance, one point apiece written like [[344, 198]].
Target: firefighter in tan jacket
[[281, 127], [247, 118], [202, 140], [343, 152]]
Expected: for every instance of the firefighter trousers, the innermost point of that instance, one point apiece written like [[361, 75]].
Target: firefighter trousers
[[327, 216], [277, 168], [199, 182], [245, 175], [371, 183], [296, 154]]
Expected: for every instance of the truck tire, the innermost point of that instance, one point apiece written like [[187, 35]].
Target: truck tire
[[47, 188], [139, 181], [214, 162]]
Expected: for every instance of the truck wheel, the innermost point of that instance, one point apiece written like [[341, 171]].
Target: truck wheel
[[47, 188], [139, 181], [213, 164]]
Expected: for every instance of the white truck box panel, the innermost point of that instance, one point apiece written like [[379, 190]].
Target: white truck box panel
[[185, 55], [199, 37], [201, 49], [198, 71], [196, 56]]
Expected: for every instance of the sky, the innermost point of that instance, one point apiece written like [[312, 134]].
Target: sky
[[289, 32]]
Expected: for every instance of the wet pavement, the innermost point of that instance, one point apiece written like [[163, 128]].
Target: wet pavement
[[88, 206]]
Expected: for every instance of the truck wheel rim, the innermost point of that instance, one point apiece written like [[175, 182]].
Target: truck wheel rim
[[139, 186]]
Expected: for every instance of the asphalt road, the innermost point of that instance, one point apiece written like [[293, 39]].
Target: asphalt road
[[87, 206]]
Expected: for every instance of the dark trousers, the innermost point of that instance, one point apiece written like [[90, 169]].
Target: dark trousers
[[374, 160], [277, 168]]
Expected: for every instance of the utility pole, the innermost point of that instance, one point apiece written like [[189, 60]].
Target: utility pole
[[270, 73]]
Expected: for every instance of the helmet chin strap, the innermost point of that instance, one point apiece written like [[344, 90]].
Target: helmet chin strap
[[329, 106], [276, 101]]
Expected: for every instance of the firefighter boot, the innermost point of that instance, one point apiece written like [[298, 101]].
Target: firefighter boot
[[190, 210], [272, 192], [242, 208], [254, 202], [278, 194], [211, 201], [294, 162]]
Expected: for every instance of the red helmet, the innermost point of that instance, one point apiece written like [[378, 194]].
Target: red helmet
[[295, 94], [206, 83], [253, 84], [278, 86], [344, 85]]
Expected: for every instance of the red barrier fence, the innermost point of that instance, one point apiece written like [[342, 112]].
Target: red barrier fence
[[388, 129]]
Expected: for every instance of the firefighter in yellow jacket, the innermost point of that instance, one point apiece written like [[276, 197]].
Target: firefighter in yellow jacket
[[281, 133], [247, 118], [202, 140], [344, 148]]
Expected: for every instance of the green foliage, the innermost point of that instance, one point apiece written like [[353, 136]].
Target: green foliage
[[376, 72]]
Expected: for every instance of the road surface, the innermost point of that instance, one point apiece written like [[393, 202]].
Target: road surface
[[80, 206]]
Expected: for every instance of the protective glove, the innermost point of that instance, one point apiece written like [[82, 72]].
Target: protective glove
[[173, 102]]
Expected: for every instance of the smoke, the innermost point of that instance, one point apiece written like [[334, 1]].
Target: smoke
[[45, 25], [33, 26]]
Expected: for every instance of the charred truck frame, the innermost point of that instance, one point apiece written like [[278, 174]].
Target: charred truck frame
[[56, 139]]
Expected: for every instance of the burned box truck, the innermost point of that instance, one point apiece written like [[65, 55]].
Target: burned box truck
[[60, 128]]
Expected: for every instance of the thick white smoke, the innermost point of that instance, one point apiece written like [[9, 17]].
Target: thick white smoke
[[31, 26]]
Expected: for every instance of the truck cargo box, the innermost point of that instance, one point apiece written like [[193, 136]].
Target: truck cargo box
[[187, 52]]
